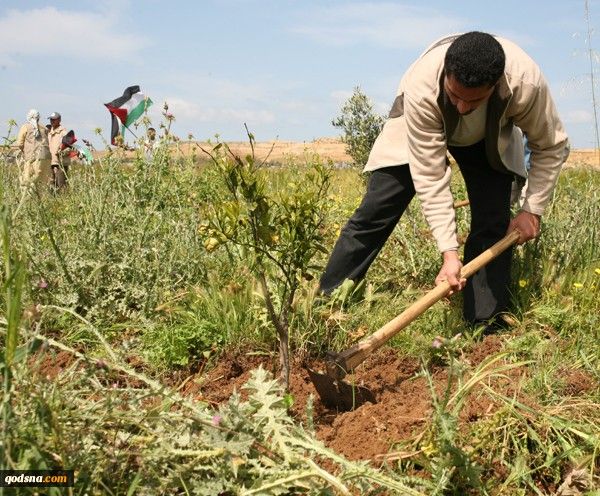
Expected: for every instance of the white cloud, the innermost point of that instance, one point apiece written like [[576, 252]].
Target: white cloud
[[186, 110], [578, 117], [341, 96], [64, 34], [388, 24], [225, 90], [299, 107], [524, 40], [382, 108]]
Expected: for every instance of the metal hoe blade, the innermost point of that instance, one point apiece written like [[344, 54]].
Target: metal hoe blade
[[339, 394], [336, 393]]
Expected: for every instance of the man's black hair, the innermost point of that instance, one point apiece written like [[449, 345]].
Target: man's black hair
[[475, 59]]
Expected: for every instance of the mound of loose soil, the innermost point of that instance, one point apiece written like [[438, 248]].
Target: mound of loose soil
[[50, 364], [578, 382], [403, 397]]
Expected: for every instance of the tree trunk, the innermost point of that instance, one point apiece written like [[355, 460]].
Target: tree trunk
[[282, 334], [284, 356]]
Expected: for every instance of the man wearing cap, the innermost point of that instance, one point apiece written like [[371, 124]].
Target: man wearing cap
[[472, 95], [60, 161], [150, 143], [32, 142]]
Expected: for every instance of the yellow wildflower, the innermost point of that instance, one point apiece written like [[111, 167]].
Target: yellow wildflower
[[577, 285], [210, 244], [522, 283], [597, 271]]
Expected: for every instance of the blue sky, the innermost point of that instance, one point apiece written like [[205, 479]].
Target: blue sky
[[284, 67]]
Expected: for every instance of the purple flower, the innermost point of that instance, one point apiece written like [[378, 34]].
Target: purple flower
[[42, 283], [216, 420]]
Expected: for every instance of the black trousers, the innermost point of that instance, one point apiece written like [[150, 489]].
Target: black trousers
[[59, 175], [389, 192]]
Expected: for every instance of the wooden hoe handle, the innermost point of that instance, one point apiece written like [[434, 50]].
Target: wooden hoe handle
[[352, 357]]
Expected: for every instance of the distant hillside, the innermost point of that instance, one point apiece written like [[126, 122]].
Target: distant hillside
[[335, 150]]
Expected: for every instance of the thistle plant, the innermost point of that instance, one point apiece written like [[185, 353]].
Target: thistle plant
[[126, 433], [6, 147]]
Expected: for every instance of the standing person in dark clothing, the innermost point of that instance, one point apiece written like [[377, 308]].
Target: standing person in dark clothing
[[60, 161]]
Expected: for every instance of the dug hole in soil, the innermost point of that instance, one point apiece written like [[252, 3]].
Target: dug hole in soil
[[403, 397]]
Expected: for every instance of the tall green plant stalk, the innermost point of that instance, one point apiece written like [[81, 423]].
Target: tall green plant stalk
[[6, 147], [13, 280], [61, 259]]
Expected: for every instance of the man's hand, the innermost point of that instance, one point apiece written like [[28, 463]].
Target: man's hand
[[527, 224], [450, 272]]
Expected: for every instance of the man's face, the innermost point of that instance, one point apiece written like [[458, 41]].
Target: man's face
[[151, 134], [54, 123], [465, 99]]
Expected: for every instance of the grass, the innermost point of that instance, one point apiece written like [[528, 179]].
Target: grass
[[116, 267]]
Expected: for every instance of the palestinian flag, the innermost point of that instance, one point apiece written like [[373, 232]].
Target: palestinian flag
[[127, 109], [68, 141], [84, 153]]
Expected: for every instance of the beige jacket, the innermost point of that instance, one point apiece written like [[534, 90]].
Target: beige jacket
[[33, 148], [55, 137], [422, 117]]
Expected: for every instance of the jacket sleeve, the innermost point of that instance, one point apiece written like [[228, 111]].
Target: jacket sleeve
[[430, 174], [548, 143], [21, 137]]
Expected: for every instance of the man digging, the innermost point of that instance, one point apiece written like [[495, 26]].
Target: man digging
[[473, 95]]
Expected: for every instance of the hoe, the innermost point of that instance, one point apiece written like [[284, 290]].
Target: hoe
[[334, 391]]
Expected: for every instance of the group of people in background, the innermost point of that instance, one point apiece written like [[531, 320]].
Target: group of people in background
[[45, 151]]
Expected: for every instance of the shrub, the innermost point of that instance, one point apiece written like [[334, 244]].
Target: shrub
[[360, 126]]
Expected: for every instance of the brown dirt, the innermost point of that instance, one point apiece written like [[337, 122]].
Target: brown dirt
[[371, 432], [402, 411], [50, 364], [578, 382], [489, 346], [403, 406]]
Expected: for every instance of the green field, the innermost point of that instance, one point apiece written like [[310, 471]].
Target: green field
[[147, 277]]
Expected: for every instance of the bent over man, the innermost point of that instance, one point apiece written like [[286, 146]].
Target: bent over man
[[472, 95]]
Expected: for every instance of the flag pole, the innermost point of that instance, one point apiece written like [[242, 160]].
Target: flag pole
[[134, 135], [146, 105]]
